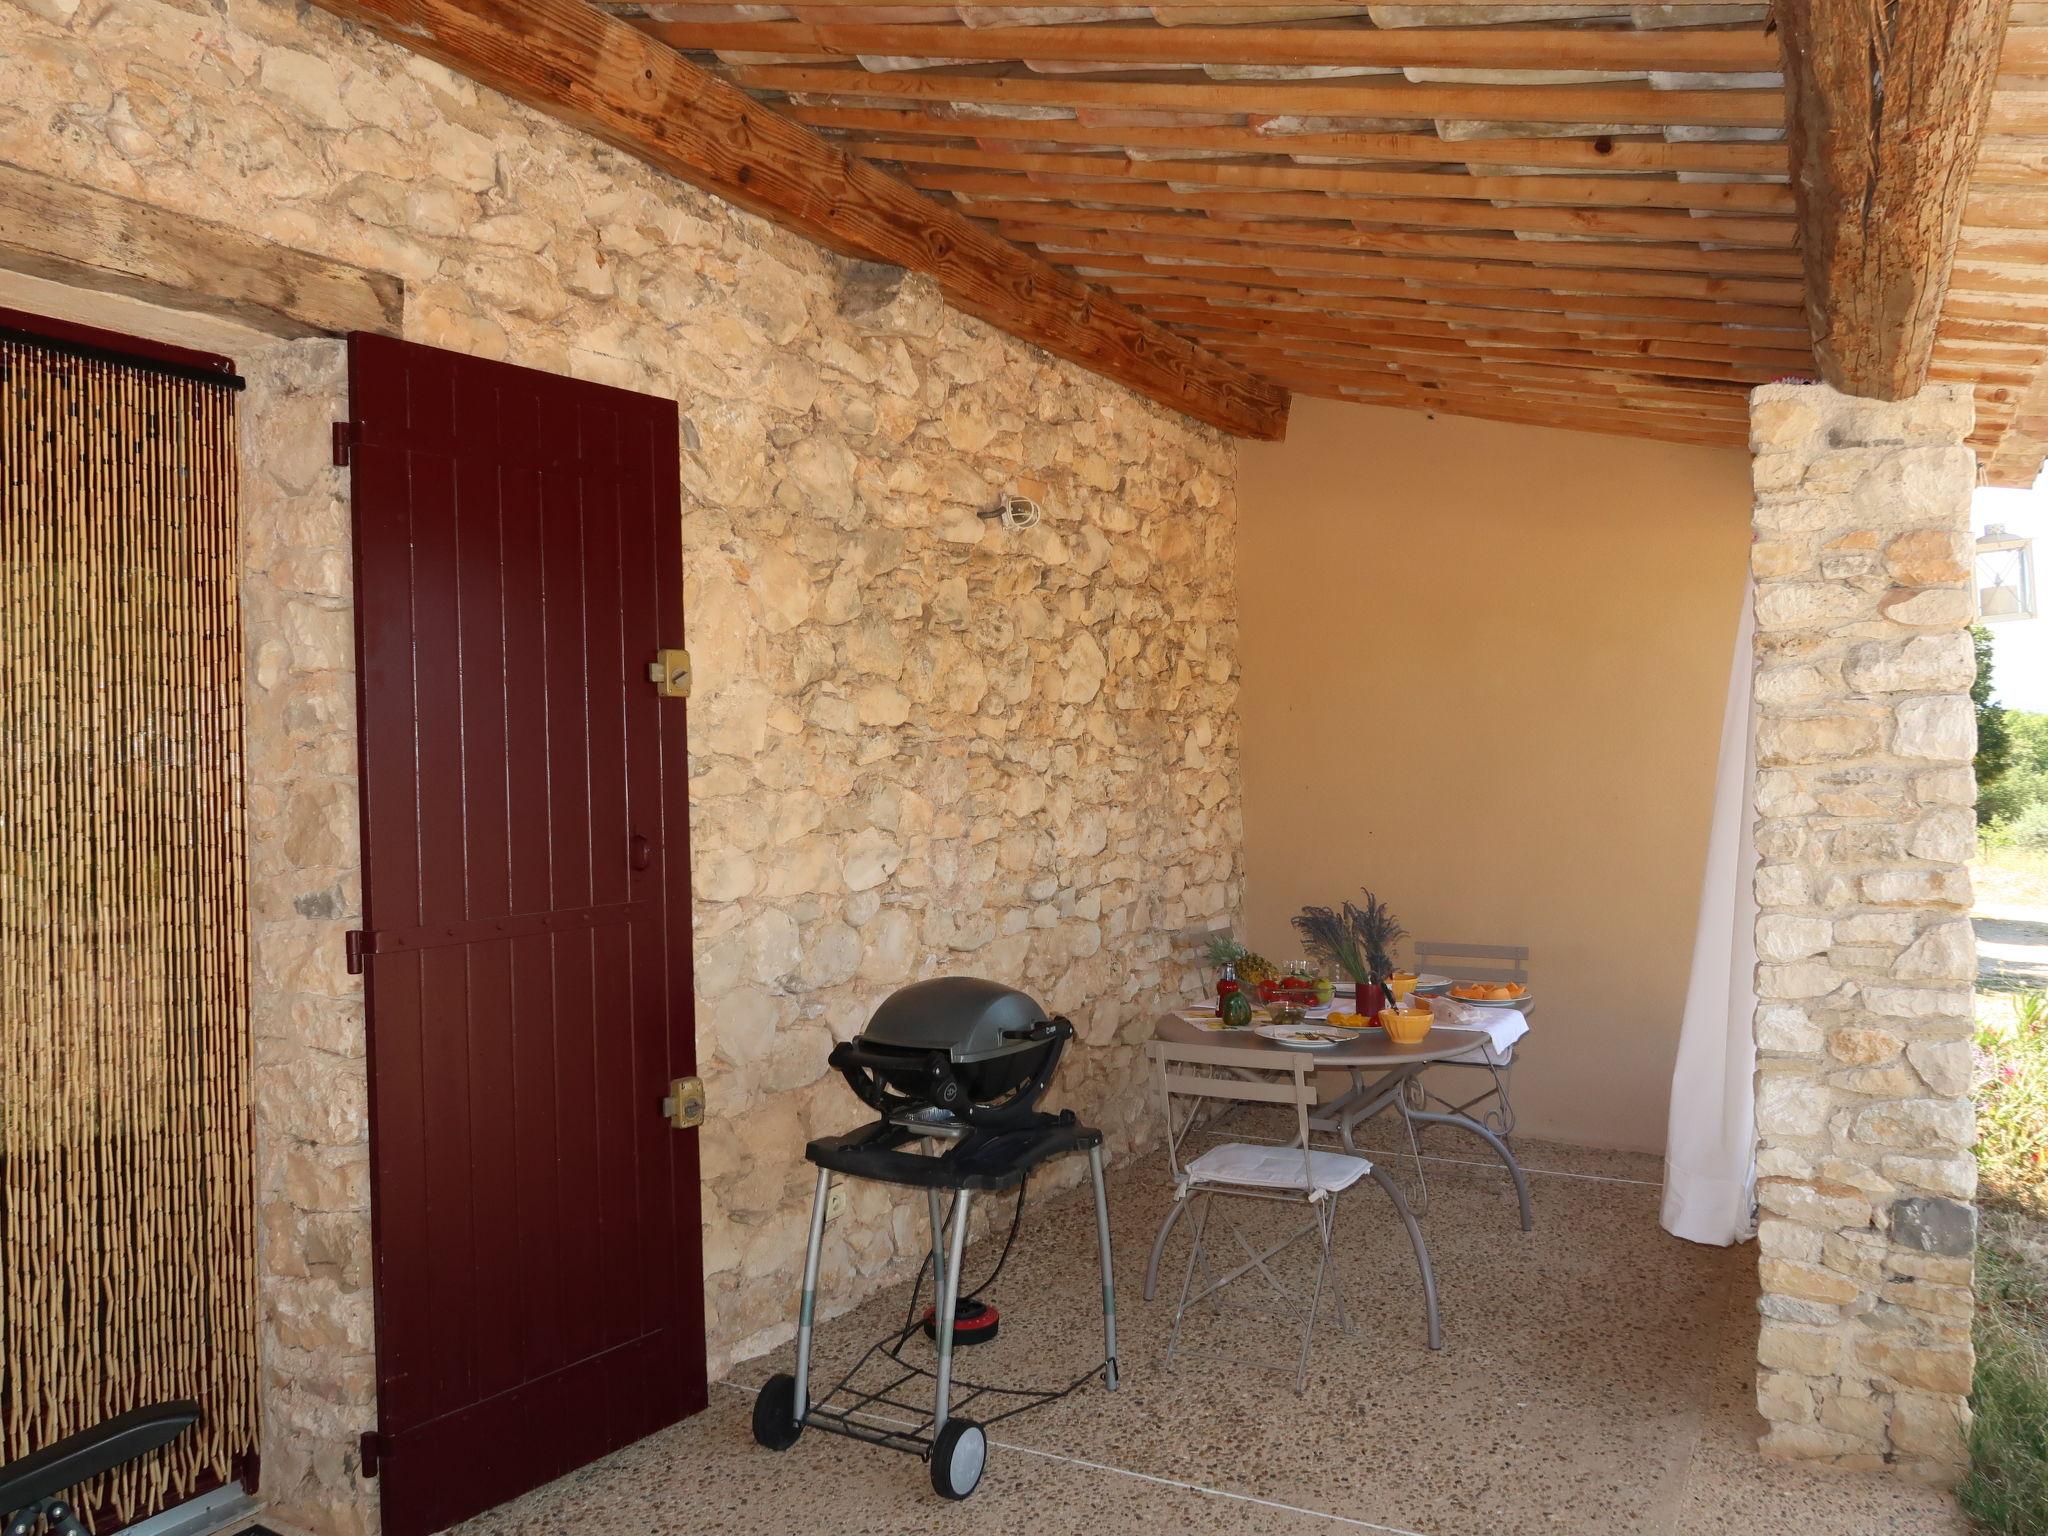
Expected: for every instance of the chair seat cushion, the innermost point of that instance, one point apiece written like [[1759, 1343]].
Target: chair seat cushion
[[1276, 1168]]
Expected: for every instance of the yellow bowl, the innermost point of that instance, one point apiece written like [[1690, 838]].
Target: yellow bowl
[[1406, 1026]]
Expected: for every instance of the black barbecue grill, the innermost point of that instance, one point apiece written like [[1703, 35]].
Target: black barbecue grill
[[954, 1069]]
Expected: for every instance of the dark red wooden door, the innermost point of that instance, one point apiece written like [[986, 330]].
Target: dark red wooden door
[[527, 924]]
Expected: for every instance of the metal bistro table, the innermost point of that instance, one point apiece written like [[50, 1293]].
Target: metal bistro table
[[1392, 1067]]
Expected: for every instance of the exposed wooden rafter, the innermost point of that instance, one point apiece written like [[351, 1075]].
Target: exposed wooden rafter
[[1886, 105], [1581, 213], [1442, 47], [599, 74]]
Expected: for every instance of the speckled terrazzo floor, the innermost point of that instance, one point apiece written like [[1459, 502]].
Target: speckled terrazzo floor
[[1596, 1380]]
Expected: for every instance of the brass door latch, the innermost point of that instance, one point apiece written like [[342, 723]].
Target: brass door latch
[[670, 674], [684, 1106]]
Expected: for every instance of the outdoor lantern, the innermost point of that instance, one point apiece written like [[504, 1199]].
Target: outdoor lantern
[[2005, 575]]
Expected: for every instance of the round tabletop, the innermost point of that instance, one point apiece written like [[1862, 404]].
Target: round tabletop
[[1372, 1048]]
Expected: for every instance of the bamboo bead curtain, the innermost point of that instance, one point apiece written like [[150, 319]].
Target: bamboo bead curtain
[[127, 1249]]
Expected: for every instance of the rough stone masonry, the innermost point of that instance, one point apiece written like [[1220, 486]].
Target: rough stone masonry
[[918, 744], [1865, 823]]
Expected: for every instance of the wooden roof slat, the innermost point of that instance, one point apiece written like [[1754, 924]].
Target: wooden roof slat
[[1612, 223], [1037, 221], [1502, 328], [1502, 48], [1580, 214], [1145, 274], [1072, 246], [1367, 100], [1484, 363], [1164, 299], [1509, 347], [602, 76], [1732, 157], [1568, 191]]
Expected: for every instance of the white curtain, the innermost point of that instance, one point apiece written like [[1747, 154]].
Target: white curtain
[[1710, 1157]]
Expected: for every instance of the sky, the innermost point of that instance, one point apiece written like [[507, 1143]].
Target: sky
[[2019, 647]]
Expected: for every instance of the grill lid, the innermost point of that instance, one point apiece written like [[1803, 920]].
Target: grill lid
[[968, 1018]]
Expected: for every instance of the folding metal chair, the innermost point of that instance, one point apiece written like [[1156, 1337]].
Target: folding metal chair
[[1494, 962], [1295, 1175]]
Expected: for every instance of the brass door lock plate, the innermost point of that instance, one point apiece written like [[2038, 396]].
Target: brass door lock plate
[[684, 1106], [670, 674]]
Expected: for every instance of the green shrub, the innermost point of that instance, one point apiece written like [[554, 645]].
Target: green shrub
[[2028, 829], [2012, 1099], [2007, 1486]]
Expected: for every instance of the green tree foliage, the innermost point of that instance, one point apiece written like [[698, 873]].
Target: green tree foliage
[[2014, 809]]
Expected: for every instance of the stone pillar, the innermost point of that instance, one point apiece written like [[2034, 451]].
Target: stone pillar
[[1865, 821], [310, 1087]]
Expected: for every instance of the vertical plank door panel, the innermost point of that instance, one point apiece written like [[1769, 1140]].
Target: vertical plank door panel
[[526, 896]]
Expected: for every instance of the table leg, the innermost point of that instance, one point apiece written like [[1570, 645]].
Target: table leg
[[1500, 1150], [1435, 1324]]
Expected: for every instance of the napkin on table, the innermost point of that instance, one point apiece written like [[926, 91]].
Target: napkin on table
[[1501, 1026]]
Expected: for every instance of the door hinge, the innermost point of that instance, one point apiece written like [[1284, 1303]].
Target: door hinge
[[684, 1106], [371, 1450], [344, 443], [352, 946], [670, 674]]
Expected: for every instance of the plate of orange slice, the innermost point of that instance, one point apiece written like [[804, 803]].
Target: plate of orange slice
[[1492, 994]]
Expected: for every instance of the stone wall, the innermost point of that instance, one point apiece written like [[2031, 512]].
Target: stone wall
[[310, 1099], [1865, 800], [918, 744]]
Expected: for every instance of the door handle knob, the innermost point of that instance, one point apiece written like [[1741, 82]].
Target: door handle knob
[[643, 852]]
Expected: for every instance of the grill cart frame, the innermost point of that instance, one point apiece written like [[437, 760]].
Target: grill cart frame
[[974, 1161]]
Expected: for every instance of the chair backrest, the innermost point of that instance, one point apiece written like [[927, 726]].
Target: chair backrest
[[1472, 962], [1234, 1073]]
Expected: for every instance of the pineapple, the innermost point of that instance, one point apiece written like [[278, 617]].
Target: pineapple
[[1224, 950], [1252, 968]]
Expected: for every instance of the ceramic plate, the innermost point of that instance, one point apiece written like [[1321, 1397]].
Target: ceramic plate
[[1521, 1002], [1308, 1037]]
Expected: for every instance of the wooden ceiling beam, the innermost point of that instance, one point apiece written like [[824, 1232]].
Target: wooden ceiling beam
[[603, 77], [1602, 153], [1528, 396], [1613, 223], [1571, 191], [1625, 415], [1621, 49], [1636, 424], [1525, 401], [1885, 106], [1369, 100]]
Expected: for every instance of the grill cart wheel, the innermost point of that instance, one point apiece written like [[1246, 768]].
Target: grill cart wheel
[[775, 1422], [959, 1456]]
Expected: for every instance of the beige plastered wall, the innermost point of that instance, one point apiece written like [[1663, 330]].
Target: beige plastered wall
[[1483, 674]]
